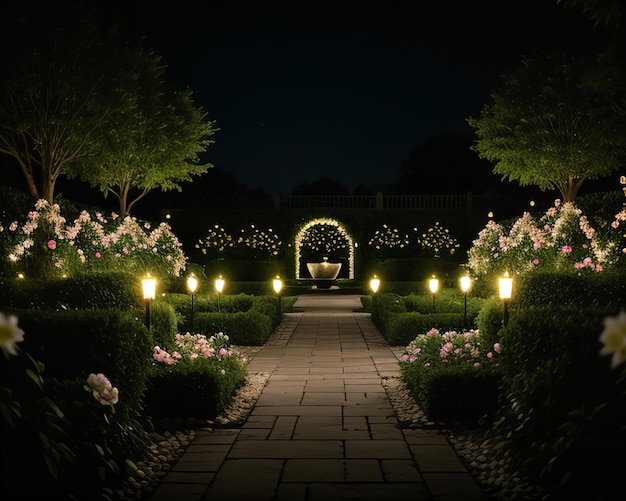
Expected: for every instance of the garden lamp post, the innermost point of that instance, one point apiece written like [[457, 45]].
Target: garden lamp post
[[192, 285], [278, 287], [375, 284], [505, 284], [433, 285], [219, 287], [148, 285], [466, 284]]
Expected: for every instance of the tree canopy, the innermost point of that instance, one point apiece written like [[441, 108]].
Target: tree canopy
[[84, 102], [549, 126], [52, 106], [155, 137]]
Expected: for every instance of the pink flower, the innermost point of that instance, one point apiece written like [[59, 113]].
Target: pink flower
[[566, 249], [52, 244], [98, 255], [102, 390], [535, 261]]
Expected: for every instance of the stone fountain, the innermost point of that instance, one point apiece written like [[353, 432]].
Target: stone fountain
[[324, 273]]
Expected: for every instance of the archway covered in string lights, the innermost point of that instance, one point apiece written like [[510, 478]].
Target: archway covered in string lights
[[324, 237]]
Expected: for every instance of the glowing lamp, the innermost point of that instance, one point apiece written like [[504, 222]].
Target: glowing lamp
[[278, 284], [192, 283], [375, 284], [219, 284], [466, 285], [433, 285], [505, 284], [219, 287], [148, 285]]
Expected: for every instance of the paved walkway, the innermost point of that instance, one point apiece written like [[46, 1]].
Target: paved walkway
[[323, 428]]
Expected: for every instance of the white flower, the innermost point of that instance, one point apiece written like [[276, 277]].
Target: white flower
[[614, 338], [102, 390], [10, 333]]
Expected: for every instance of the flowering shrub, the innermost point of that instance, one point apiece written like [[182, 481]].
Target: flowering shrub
[[449, 348], [217, 242], [251, 242], [452, 376], [561, 239], [387, 240], [70, 444], [48, 245], [434, 242], [102, 390], [258, 242], [190, 347], [195, 379], [437, 241]]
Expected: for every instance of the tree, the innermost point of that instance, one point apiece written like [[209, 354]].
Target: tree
[[81, 101], [547, 126], [155, 138], [601, 12], [52, 109]]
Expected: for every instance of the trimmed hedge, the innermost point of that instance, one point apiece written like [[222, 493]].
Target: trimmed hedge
[[108, 290], [402, 328], [73, 344], [248, 328], [193, 389], [453, 394], [586, 289]]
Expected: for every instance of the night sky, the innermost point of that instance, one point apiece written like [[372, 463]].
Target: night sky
[[342, 89]]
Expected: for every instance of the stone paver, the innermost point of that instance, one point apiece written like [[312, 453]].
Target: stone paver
[[323, 428]]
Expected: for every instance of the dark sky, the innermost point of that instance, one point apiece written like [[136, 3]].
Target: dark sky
[[344, 89]]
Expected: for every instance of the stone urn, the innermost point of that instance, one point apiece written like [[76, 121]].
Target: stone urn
[[324, 270]]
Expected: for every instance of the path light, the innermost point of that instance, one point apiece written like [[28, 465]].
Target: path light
[[278, 287], [219, 287], [192, 285], [375, 284], [148, 285], [505, 284], [433, 285], [466, 284]]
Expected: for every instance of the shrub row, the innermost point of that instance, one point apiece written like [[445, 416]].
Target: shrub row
[[562, 408], [94, 290], [53, 429], [552, 402]]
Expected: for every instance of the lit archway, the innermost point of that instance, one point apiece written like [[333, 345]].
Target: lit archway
[[338, 229]]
